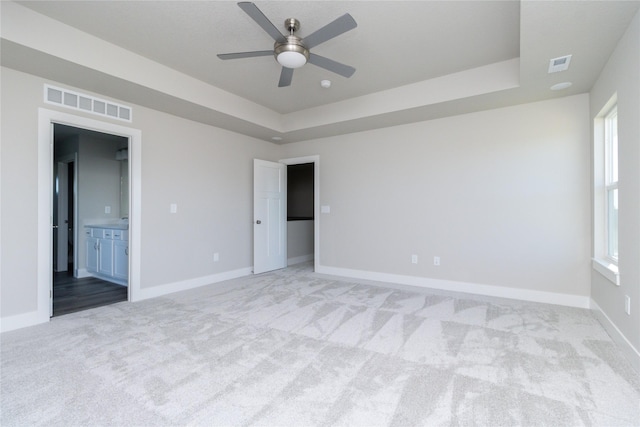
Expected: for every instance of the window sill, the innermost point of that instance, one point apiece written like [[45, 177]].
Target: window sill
[[607, 269]]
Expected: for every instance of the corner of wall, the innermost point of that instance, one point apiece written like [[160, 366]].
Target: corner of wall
[[632, 353]]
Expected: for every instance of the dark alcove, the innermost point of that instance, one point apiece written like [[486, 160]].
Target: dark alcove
[[300, 192]]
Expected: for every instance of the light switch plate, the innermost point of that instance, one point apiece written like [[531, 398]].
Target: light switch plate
[[173, 208], [325, 209], [627, 304]]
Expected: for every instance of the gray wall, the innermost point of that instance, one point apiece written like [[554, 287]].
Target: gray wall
[[501, 196], [300, 240], [207, 171], [21, 96], [620, 76], [98, 186]]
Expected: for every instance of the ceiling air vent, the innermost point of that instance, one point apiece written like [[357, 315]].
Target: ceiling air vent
[[79, 101], [559, 64]]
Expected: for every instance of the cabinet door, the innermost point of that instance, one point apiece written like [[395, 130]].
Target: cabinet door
[[92, 254], [121, 259], [105, 264]]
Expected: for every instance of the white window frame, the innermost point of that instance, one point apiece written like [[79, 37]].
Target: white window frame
[[605, 182], [611, 179]]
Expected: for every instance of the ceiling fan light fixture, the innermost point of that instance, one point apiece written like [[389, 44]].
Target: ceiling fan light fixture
[[291, 59], [292, 53]]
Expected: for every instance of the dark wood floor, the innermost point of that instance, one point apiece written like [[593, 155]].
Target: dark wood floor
[[71, 294]]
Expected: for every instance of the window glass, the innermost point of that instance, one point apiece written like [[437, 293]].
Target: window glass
[[612, 223]]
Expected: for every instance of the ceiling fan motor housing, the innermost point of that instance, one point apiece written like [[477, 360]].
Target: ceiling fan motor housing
[[293, 48], [291, 53]]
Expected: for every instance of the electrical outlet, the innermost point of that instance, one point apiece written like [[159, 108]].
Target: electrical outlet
[[414, 259], [216, 257], [107, 209], [436, 260], [627, 304]]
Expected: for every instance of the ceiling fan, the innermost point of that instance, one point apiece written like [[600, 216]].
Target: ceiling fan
[[292, 51]]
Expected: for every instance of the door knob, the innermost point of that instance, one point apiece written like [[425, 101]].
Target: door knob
[[258, 222]]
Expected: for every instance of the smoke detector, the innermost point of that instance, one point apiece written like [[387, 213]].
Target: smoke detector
[[561, 86]]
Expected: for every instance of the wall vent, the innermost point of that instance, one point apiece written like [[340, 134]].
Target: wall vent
[[559, 64], [79, 101]]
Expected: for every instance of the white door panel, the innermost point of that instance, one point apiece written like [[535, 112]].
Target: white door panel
[[269, 216]]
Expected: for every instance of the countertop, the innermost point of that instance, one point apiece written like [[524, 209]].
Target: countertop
[[109, 226]]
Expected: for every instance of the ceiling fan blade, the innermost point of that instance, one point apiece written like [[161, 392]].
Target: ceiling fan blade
[[331, 65], [331, 30], [239, 55], [257, 15], [285, 77]]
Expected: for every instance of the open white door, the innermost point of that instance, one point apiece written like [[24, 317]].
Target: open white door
[[269, 216]]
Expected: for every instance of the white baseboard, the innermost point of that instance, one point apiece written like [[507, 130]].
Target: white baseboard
[[628, 349], [465, 287], [24, 320], [183, 285], [81, 273], [299, 259]]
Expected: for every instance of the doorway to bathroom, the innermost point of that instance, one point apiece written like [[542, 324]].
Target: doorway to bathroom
[[90, 179]]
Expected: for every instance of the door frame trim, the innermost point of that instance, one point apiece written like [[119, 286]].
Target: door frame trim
[[315, 159], [46, 119]]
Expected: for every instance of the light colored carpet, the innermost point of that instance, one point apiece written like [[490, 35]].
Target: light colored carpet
[[292, 348]]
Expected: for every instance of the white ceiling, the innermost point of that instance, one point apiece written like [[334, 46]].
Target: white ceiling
[[396, 43]]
